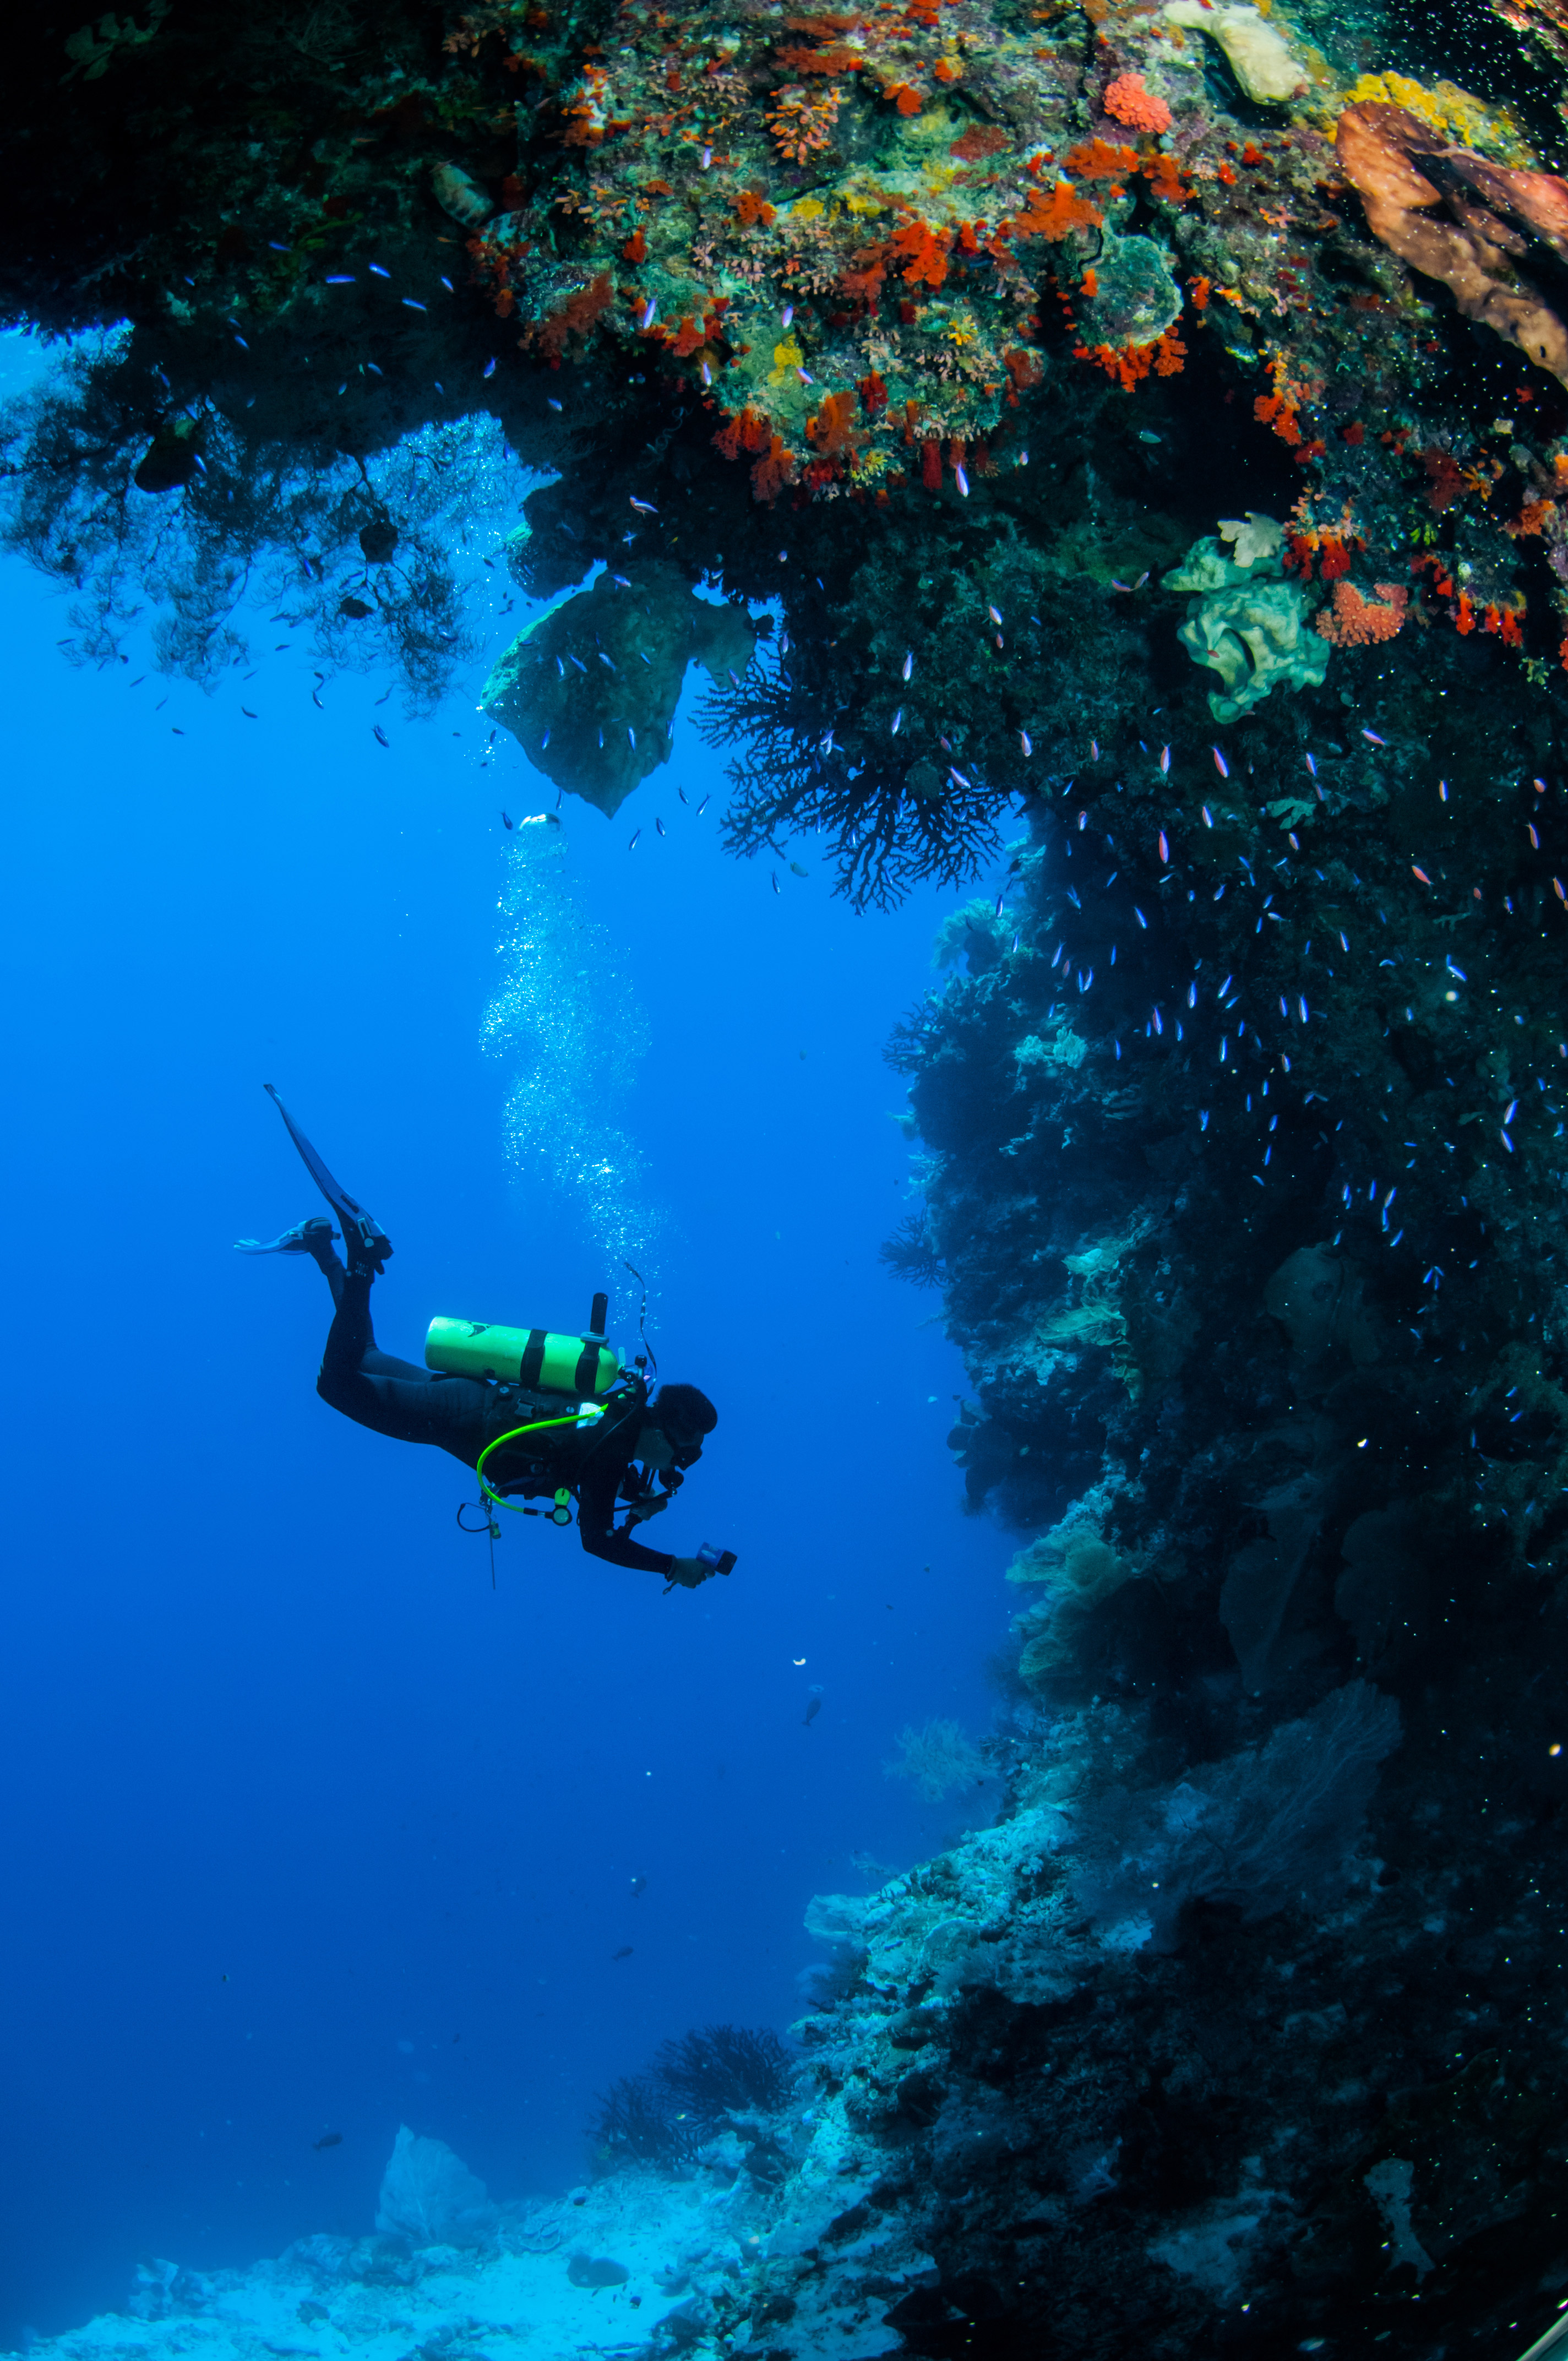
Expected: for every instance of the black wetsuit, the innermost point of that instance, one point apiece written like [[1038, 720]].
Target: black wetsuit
[[463, 1415]]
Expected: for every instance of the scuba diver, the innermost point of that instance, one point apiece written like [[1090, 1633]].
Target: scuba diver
[[536, 1414]]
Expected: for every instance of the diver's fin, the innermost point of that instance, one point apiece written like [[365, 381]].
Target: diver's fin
[[362, 1233], [294, 1241]]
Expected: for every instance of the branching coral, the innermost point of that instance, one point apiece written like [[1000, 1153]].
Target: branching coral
[[937, 1759], [801, 125], [724, 2069], [218, 513], [911, 1254], [888, 823], [695, 2085]]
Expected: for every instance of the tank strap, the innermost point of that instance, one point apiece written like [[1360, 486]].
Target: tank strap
[[532, 1363], [584, 1377]]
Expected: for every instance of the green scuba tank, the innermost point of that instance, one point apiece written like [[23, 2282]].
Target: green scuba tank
[[525, 1356]]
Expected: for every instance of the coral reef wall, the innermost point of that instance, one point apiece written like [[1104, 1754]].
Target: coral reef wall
[[1243, 1156]]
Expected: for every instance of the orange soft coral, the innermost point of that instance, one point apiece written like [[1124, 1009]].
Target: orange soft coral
[[829, 430], [1053, 217], [1129, 364], [1099, 159], [923, 252], [773, 471], [1131, 102], [748, 431], [1355, 621], [576, 320]]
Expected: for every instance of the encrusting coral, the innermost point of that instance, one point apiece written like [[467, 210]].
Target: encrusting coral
[[1353, 622]]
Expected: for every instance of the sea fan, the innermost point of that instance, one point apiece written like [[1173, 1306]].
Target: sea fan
[[431, 2197]]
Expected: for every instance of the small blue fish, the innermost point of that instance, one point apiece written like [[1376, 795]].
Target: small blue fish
[[649, 309], [659, 824], [604, 659], [551, 402], [632, 742], [961, 480], [1373, 739], [703, 806], [545, 741], [643, 507], [1026, 742], [898, 723], [378, 271], [635, 834], [773, 877], [380, 735], [908, 664], [1220, 764]]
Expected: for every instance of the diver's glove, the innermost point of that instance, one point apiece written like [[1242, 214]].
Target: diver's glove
[[689, 1572]]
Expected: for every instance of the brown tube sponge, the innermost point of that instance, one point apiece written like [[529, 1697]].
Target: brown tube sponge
[[1423, 199]]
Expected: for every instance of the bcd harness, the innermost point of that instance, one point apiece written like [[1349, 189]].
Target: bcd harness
[[537, 1370]]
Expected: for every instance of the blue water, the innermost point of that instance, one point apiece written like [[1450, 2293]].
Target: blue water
[[306, 1827]]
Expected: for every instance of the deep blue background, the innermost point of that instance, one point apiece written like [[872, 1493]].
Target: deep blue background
[[305, 1826]]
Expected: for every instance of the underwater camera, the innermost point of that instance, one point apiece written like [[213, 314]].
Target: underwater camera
[[717, 1561]]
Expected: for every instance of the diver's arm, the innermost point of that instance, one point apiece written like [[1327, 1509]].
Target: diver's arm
[[596, 1519]]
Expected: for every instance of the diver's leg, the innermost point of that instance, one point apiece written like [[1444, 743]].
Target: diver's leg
[[395, 1398]]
